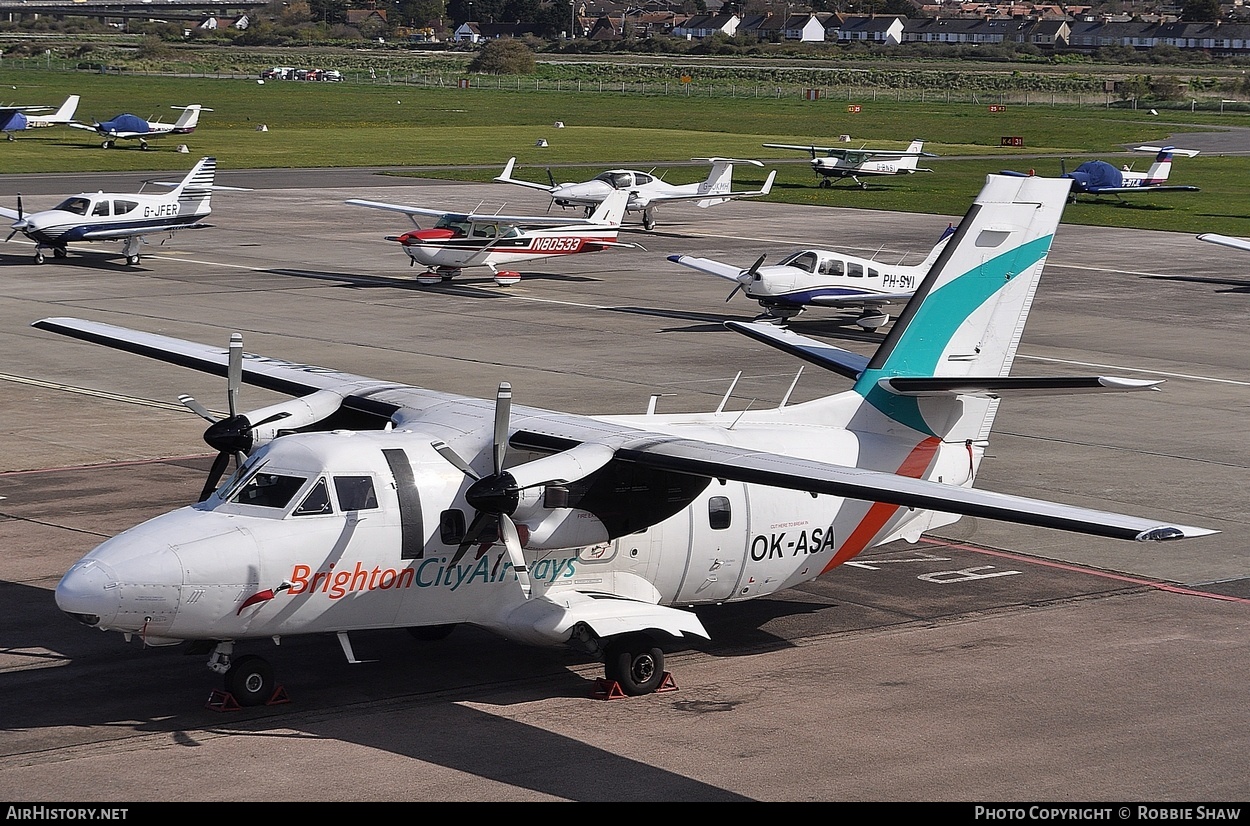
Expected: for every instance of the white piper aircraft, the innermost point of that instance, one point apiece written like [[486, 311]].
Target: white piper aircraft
[[589, 531], [111, 216], [822, 278], [843, 162], [646, 191], [458, 240]]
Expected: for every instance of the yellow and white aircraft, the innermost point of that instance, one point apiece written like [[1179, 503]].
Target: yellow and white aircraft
[[458, 240], [842, 162], [646, 190], [594, 532], [132, 127], [111, 216], [19, 118]]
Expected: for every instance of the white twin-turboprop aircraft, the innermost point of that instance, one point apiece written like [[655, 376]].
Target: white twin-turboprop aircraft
[[646, 191], [842, 162], [588, 531], [458, 240], [132, 127], [822, 278], [111, 216]]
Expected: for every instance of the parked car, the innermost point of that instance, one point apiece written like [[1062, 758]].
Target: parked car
[[332, 75], [278, 73]]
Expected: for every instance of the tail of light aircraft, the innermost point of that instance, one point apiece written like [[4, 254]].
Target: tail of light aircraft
[[196, 189], [908, 162], [1160, 169], [719, 180], [189, 118], [66, 113]]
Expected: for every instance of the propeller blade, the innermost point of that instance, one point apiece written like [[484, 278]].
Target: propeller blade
[[20, 214], [10, 235], [451, 456], [732, 293], [214, 475], [755, 267], [503, 415], [472, 536], [234, 372], [197, 408], [551, 178], [512, 541]]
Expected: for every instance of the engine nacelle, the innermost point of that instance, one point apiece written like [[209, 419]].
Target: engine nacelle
[[292, 414]]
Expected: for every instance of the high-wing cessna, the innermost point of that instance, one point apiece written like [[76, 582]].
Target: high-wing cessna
[[1101, 178], [559, 529], [459, 240], [842, 162], [109, 216], [646, 191], [822, 278], [133, 127], [18, 118]]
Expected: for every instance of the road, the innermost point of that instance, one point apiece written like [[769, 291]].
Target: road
[[989, 662]]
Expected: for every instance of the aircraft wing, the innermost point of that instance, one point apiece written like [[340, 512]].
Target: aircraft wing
[[1134, 190], [843, 151], [556, 433], [1225, 240], [9, 213], [474, 218], [727, 271], [89, 127], [857, 299], [717, 196], [130, 232]]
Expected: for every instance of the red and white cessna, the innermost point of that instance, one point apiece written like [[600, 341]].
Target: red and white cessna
[[459, 240]]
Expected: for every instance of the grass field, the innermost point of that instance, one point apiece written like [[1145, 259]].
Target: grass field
[[346, 124]]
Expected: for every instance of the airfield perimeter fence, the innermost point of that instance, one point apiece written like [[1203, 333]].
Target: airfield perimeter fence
[[1214, 100]]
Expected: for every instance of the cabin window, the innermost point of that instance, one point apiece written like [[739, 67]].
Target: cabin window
[[832, 266], [719, 513], [78, 206], [641, 179], [854, 270], [873, 273], [451, 526], [123, 207], [269, 490], [483, 231], [617, 180], [355, 493], [316, 502], [101, 209]]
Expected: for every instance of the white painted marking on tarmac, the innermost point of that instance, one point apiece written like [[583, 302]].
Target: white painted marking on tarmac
[[99, 394]]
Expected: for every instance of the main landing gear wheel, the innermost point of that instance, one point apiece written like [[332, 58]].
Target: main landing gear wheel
[[648, 222], [107, 145], [59, 252], [250, 680], [635, 663], [132, 260], [825, 183]]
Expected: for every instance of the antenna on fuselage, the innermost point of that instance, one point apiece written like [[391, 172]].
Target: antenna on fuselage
[[793, 384], [729, 392]]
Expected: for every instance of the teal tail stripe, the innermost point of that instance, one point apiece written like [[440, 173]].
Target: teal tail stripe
[[919, 349]]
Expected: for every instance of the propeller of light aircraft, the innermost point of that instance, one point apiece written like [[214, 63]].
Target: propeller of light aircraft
[[822, 278], [592, 532], [111, 216], [458, 240], [646, 190], [844, 162], [132, 127]]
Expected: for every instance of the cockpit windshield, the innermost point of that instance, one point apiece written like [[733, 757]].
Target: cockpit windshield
[[269, 490], [78, 206], [455, 223], [805, 261], [616, 180]]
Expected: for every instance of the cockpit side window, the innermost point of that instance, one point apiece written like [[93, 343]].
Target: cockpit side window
[[642, 179], [355, 493], [78, 206], [269, 490], [101, 209], [123, 207], [316, 502]]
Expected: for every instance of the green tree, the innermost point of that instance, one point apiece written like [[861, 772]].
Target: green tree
[[1200, 10]]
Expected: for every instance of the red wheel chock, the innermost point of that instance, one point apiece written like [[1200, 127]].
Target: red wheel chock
[[220, 700], [611, 690]]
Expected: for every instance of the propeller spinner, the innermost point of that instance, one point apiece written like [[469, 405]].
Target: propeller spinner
[[746, 276]]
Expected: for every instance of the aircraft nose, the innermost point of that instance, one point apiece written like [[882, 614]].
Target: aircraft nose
[[88, 592]]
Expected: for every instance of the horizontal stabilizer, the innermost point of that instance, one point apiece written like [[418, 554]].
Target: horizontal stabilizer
[[1188, 153], [1225, 240], [842, 362], [995, 387]]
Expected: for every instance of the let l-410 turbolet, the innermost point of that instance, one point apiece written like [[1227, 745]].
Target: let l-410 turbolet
[[596, 532]]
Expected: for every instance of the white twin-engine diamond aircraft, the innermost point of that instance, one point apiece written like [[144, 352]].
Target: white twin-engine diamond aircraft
[[646, 190], [590, 531], [111, 216], [458, 240]]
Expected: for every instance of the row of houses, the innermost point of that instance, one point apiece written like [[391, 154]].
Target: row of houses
[[892, 30]]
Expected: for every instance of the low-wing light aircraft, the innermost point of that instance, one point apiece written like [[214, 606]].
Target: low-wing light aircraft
[[844, 162], [109, 216], [822, 278], [1101, 178], [646, 190], [1225, 241], [19, 118], [458, 240], [133, 127], [588, 531]]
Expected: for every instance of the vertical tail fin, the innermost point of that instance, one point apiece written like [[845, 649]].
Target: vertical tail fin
[[197, 188], [611, 210], [66, 113], [189, 118], [968, 315], [910, 161], [719, 181]]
